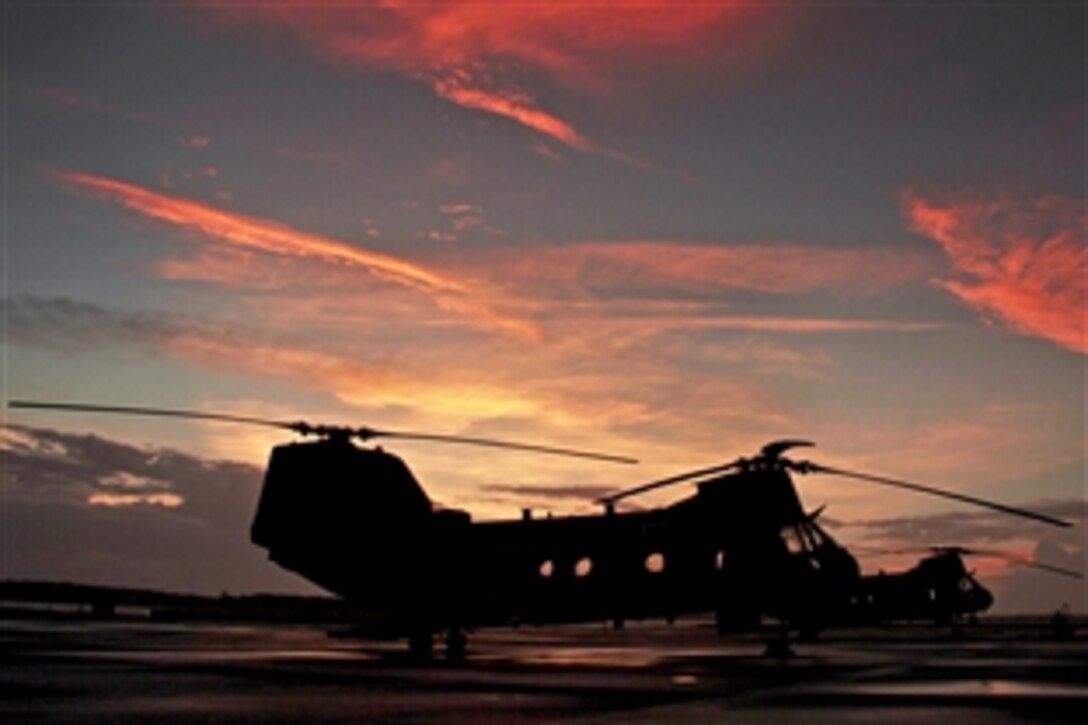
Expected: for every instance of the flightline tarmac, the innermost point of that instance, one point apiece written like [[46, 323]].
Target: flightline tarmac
[[1010, 671]]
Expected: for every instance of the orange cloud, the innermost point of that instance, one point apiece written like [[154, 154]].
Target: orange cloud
[[468, 51], [1022, 263], [632, 266], [116, 500], [809, 325], [252, 233], [265, 236]]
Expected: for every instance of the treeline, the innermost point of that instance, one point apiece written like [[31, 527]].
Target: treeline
[[67, 599]]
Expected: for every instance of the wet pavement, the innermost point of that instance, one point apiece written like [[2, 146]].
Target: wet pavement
[[123, 671]]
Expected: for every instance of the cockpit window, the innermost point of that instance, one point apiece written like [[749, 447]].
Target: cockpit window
[[792, 537]]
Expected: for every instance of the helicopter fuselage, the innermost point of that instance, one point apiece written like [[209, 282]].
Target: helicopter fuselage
[[356, 522], [939, 588]]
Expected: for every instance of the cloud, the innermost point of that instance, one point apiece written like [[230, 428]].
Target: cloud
[[462, 90], [965, 528], [473, 54], [270, 237], [630, 290], [48, 465], [351, 381], [569, 41], [788, 325], [516, 107], [64, 323], [1022, 263], [605, 398], [233, 349], [85, 508], [629, 268], [252, 233], [536, 279], [1028, 440]]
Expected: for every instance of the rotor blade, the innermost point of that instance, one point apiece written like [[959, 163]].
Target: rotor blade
[[304, 428], [161, 412], [970, 551], [939, 492], [366, 433], [661, 483], [1053, 569]]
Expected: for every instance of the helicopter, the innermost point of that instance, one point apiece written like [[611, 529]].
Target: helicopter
[[939, 588], [356, 522]]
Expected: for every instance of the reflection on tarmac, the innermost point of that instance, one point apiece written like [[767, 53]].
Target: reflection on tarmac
[[117, 671]]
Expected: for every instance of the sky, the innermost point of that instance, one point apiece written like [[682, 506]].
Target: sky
[[670, 230]]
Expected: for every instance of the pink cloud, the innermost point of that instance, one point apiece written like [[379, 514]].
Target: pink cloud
[[1020, 263], [518, 108], [572, 42], [469, 53]]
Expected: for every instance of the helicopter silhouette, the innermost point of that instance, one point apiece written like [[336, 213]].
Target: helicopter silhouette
[[355, 521], [939, 588]]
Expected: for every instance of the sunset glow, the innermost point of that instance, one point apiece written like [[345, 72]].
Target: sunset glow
[[669, 230]]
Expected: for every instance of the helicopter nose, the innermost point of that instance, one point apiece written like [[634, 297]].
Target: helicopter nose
[[984, 597]]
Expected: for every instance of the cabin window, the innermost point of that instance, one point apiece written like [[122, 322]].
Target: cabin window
[[655, 563], [583, 567], [965, 585], [547, 568], [719, 560]]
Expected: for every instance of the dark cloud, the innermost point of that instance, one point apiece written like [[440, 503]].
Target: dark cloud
[[196, 541], [959, 528], [64, 323]]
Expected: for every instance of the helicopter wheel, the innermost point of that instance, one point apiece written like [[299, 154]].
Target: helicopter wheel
[[456, 644]]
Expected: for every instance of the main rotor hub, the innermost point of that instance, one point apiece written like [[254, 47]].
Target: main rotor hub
[[773, 451]]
